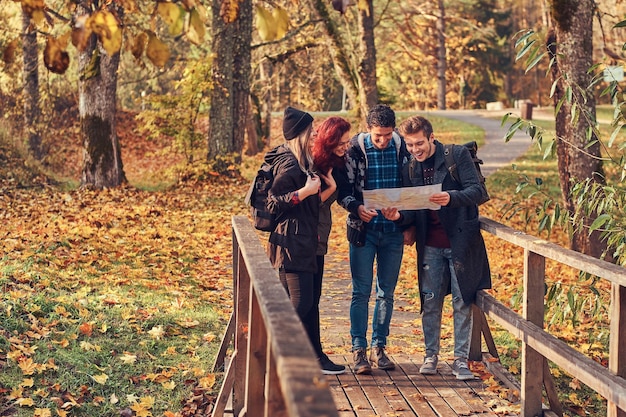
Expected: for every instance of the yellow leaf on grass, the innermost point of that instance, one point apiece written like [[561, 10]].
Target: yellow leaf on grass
[[156, 332], [27, 366], [101, 379], [207, 381], [62, 413], [128, 358], [113, 399], [28, 382], [25, 402], [170, 385], [42, 412]]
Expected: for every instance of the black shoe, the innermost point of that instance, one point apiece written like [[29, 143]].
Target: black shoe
[[380, 359], [361, 365], [329, 367]]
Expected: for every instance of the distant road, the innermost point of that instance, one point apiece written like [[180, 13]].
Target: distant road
[[495, 153]]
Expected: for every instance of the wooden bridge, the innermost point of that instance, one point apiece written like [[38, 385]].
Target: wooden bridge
[[271, 370]]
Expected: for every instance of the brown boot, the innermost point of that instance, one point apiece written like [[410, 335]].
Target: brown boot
[[380, 359], [361, 365]]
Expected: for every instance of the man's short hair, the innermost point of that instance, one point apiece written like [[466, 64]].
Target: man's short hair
[[416, 124], [382, 116]]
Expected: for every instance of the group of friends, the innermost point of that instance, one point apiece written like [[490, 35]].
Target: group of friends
[[316, 167]]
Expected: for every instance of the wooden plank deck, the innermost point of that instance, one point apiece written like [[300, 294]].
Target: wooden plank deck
[[404, 392]]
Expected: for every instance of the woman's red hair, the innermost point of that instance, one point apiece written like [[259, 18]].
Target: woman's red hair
[[329, 135]]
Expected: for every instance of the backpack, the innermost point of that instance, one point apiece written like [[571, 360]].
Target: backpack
[[257, 199], [451, 165]]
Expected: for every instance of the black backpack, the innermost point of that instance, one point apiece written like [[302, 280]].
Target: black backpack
[[257, 199], [451, 165]]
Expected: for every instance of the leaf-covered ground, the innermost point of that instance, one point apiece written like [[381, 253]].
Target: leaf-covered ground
[[113, 302]]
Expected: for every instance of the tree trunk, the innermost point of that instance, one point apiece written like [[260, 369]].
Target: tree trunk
[[368, 91], [220, 132], [32, 112], [441, 57], [347, 74], [97, 88], [576, 159], [241, 73]]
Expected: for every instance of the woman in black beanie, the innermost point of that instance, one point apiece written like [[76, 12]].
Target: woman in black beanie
[[294, 199]]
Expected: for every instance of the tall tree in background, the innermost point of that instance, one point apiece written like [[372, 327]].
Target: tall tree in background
[[368, 90], [228, 116], [570, 45], [32, 110], [441, 57], [356, 70], [97, 88]]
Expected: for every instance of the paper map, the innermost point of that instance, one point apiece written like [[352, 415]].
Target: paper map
[[405, 198]]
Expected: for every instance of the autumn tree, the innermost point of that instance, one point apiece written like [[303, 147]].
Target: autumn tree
[[356, 69], [32, 111], [98, 30], [228, 116], [578, 149]]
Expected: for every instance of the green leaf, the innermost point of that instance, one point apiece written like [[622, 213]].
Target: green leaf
[[531, 64], [600, 221]]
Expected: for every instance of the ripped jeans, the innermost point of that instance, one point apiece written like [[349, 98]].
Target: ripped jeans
[[435, 283]]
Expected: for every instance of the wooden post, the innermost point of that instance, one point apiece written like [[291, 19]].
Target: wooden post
[[617, 341], [257, 353], [532, 361], [242, 302]]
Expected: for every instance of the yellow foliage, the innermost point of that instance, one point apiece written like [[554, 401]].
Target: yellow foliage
[[157, 51], [104, 24], [196, 30], [265, 23], [281, 21]]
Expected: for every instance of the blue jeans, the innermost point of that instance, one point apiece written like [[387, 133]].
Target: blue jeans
[[387, 249], [435, 283]]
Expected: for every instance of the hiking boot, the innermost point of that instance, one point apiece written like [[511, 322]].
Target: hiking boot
[[380, 359], [361, 365], [329, 367], [430, 365], [461, 370]]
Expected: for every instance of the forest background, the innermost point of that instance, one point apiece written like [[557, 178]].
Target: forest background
[[120, 284]]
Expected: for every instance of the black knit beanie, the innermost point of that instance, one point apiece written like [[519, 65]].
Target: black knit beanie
[[295, 122]]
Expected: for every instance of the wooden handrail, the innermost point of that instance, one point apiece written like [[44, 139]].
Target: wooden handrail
[[273, 370], [538, 346]]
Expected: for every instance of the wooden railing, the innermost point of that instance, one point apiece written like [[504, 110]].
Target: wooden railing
[[273, 370], [538, 346]]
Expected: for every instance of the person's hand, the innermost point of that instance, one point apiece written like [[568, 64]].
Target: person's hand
[[410, 235], [391, 213], [311, 187], [442, 198], [329, 180], [366, 214]]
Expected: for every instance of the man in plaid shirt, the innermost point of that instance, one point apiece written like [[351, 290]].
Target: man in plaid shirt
[[373, 161]]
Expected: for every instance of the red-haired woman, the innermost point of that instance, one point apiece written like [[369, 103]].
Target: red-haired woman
[[329, 148]]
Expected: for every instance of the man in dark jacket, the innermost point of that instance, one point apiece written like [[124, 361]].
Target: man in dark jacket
[[374, 160], [451, 252]]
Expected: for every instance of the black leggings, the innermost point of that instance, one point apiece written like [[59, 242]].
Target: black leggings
[[304, 290]]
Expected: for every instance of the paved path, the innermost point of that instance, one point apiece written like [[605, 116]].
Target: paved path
[[495, 153]]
